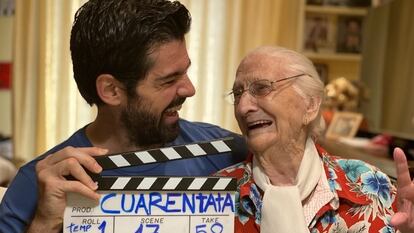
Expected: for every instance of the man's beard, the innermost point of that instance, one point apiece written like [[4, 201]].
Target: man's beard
[[143, 127]]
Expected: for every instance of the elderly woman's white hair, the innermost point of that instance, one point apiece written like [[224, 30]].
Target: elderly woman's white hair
[[308, 86]]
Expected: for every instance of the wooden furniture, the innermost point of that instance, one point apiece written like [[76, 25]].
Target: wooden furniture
[[326, 34], [382, 160]]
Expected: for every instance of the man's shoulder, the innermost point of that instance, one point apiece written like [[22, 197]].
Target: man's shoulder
[[199, 131], [199, 125], [77, 139]]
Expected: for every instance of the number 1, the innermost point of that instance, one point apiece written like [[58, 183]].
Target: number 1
[[102, 226]]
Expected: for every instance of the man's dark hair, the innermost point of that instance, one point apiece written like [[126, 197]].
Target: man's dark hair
[[117, 36]]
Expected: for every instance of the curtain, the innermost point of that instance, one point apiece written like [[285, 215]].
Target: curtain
[[398, 110], [387, 68], [47, 106]]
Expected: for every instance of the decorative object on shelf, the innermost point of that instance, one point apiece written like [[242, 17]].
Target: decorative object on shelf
[[341, 94], [344, 124], [349, 34]]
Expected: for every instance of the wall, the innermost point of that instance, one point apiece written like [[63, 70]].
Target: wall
[[6, 32]]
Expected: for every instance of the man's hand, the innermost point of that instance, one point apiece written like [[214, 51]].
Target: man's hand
[[404, 218], [53, 185]]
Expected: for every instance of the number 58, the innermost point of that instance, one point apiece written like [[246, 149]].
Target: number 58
[[215, 228]]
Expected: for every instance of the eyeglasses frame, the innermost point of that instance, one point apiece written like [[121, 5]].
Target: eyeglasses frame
[[231, 93]]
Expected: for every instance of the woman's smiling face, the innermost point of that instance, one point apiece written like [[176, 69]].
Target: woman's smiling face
[[276, 117]]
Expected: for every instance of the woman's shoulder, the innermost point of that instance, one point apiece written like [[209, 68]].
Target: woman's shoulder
[[237, 170], [358, 181]]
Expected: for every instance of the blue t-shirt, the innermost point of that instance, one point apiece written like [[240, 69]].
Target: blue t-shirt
[[19, 203]]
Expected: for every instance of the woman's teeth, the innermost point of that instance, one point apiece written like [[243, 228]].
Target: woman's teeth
[[258, 124]]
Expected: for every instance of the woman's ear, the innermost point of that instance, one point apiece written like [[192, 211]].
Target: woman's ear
[[312, 109], [109, 90]]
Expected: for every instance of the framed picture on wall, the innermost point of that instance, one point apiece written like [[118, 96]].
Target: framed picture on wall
[[349, 34], [7, 7], [344, 124], [319, 34]]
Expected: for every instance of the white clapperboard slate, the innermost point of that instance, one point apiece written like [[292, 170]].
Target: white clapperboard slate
[[142, 204]]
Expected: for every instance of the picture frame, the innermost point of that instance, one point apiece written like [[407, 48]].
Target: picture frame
[[322, 70], [349, 36], [7, 7], [319, 33], [344, 125]]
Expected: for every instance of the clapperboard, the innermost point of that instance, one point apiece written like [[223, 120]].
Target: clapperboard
[[156, 204]]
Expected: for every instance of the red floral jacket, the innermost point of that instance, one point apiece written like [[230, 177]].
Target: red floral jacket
[[364, 198]]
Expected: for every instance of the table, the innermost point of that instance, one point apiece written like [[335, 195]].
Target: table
[[382, 160]]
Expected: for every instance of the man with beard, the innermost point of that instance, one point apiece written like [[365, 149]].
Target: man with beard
[[130, 59]]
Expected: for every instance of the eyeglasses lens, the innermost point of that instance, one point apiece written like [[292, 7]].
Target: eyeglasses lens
[[260, 88]]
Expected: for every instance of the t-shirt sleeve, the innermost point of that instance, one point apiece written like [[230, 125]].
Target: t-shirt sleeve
[[19, 202]]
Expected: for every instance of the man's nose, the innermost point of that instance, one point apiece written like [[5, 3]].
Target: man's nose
[[186, 88]]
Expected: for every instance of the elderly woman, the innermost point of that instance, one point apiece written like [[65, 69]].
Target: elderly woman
[[289, 183]]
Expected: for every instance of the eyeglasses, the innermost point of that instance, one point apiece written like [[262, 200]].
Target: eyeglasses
[[257, 88]]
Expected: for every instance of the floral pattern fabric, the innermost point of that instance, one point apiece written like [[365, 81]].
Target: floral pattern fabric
[[364, 198]]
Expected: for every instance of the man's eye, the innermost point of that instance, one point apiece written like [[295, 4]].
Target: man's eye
[[169, 81]]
